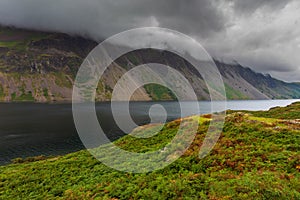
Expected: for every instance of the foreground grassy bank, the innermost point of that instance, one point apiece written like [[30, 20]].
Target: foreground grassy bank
[[257, 157]]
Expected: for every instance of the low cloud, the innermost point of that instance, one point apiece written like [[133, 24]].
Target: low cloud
[[262, 34]]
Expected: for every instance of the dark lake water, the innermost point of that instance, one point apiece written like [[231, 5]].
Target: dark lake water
[[28, 129]]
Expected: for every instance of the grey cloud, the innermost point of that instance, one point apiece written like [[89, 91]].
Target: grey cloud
[[268, 62], [262, 34], [102, 18], [250, 6], [267, 41]]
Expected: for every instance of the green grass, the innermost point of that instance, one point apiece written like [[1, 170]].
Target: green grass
[[62, 80], [24, 38], [290, 112], [45, 92], [30, 94], [256, 157], [23, 96], [133, 59], [9, 44], [159, 92], [234, 94], [2, 94], [26, 96]]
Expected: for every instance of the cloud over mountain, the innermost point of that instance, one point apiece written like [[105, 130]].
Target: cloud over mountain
[[264, 35]]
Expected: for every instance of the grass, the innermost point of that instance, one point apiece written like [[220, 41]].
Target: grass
[[256, 157], [16, 45], [2, 92], [234, 94], [159, 92], [19, 39], [9, 44], [289, 112], [62, 80], [26, 96]]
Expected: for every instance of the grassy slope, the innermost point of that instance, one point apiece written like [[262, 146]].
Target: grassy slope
[[255, 158], [290, 112], [158, 92]]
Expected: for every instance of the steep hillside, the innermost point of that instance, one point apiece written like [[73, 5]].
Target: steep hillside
[[255, 158], [256, 83], [34, 70], [36, 66], [39, 66]]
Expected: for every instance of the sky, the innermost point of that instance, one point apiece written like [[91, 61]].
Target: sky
[[261, 34]]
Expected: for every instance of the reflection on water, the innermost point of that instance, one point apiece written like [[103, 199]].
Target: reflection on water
[[28, 129]]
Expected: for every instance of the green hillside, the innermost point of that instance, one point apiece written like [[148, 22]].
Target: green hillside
[[257, 157]]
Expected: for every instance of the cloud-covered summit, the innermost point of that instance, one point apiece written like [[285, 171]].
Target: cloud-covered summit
[[262, 34]]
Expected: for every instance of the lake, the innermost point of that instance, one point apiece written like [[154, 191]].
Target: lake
[[29, 129]]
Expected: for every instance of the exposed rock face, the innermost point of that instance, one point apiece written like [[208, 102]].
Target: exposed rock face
[[256, 85], [38, 66]]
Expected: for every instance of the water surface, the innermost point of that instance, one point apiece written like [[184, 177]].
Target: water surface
[[29, 129]]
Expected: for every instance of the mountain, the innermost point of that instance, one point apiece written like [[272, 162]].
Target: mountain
[[41, 66]]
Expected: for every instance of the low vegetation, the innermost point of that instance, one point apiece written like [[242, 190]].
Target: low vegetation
[[289, 112], [256, 157]]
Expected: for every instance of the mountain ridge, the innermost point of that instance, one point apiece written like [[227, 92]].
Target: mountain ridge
[[41, 67]]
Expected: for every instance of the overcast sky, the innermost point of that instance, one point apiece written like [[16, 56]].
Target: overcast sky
[[261, 34]]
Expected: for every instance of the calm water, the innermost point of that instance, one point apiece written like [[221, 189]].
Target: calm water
[[28, 129]]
